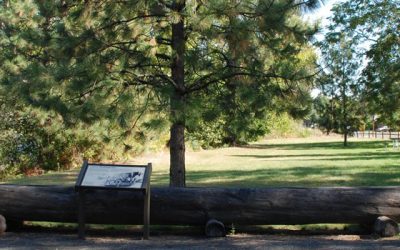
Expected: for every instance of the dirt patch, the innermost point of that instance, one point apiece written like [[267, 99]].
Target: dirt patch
[[95, 240]]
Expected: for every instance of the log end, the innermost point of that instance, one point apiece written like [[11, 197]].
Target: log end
[[386, 227], [3, 225], [215, 228]]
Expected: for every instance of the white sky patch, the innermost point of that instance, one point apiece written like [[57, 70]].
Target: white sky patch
[[321, 15], [315, 93]]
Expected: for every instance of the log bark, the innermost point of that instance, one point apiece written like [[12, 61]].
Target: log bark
[[195, 206]]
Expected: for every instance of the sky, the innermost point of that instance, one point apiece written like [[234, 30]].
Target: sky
[[321, 14]]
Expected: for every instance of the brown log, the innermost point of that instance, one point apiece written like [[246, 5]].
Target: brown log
[[195, 206]]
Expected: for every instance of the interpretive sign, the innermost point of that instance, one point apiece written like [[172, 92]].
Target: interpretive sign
[[117, 177], [113, 176]]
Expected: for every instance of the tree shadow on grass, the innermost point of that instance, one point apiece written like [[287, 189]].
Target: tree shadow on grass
[[61, 178], [322, 145], [313, 176], [328, 157]]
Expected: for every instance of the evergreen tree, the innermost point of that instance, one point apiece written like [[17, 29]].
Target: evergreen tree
[[90, 60], [241, 103]]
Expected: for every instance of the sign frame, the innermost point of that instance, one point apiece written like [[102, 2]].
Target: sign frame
[[80, 183], [120, 181]]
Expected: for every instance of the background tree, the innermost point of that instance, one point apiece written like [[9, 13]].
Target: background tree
[[339, 78], [123, 60], [325, 113], [373, 28]]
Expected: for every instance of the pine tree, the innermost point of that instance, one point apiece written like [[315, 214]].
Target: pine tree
[[241, 103], [90, 60]]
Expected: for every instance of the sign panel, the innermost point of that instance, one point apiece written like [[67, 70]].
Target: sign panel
[[113, 176]]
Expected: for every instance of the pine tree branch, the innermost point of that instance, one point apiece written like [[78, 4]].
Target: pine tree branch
[[142, 112], [119, 22], [88, 92], [207, 80]]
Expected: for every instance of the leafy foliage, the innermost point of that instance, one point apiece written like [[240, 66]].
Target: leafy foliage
[[339, 80], [284, 126], [29, 146], [131, 61], [373, 29]]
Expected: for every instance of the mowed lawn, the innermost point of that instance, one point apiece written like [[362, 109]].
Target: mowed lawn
[[306, 162]]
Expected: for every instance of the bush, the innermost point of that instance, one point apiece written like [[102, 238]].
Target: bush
[[284, 126], [30, 145], [35, 141], [207, 135]]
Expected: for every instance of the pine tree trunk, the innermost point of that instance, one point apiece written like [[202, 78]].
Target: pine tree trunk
[[345, 130], [177, 156], [178, 102], [232, 84], [344, 104]]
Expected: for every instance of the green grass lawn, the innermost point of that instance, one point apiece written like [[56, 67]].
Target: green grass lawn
[[308, 162]]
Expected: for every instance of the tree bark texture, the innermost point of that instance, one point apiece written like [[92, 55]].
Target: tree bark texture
[[196, 206], [230, 99], [178, 103], [177, 170]]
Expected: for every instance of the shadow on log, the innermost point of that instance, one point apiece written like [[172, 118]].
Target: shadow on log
[[196, 206]]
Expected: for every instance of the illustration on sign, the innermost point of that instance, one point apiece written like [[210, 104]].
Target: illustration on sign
[[124, 179]]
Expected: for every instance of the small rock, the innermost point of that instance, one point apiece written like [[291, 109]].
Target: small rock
[[215, 228], [386, 227], [3, 225]]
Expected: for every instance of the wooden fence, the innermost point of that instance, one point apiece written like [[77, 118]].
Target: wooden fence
[[377, 134]]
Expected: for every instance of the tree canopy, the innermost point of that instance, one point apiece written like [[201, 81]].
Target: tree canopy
[[372, 29], [184, 62]]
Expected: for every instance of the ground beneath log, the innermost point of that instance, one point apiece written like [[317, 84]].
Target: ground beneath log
[[48, 239]]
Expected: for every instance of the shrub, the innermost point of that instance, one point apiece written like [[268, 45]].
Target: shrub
[[31, 145], [284, 126]]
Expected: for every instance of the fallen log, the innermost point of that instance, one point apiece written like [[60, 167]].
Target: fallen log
[[196, 206]]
